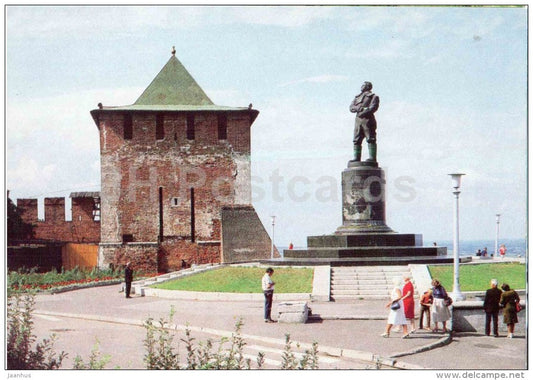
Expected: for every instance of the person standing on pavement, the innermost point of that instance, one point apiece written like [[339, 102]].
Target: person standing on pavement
[[268, 291], [503, 251], [425, 308], [491, 304], [396, 315], [439, 310], [508, 301], [408, 292], [128, 278]]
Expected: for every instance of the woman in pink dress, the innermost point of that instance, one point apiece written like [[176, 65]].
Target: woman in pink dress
[[409, 301]]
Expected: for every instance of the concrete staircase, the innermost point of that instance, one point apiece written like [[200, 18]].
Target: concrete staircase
[[366, 282]]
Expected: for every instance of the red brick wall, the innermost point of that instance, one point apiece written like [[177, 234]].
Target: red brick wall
[[134, 170], [173, 251], [83, 226], [28, 209], [54, 227], [142, 256]]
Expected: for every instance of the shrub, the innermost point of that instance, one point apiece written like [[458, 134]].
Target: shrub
[[96, 360], [158, 343], [20, 339], [160, 353]]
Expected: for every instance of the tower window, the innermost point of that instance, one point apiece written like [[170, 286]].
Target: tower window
[[190, 126], [222, 127], [159, 128], [127, 238], [128, 127]]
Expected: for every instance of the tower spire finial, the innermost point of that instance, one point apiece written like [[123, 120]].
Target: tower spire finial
[[173, 50]]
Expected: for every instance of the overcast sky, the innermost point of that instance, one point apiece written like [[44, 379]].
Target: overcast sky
[[452, 83]]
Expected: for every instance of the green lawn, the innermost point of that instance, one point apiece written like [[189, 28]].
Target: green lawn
[[477, 276], [244, 280]]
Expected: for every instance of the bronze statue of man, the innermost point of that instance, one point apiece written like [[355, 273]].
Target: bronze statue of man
[[364, 106]]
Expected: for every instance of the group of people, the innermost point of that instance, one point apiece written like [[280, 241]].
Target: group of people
[[484, 253], [433, 303], [506, 299]]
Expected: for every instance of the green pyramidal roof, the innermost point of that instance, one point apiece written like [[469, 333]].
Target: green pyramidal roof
[[173, 90], [173, 86]]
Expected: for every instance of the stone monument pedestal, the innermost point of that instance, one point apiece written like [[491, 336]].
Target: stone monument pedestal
[[364, 237], [363, 199]]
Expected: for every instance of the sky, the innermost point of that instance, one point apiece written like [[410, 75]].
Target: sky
[[452, 83]]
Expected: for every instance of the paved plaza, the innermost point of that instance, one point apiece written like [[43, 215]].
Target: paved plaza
[[348, 333]]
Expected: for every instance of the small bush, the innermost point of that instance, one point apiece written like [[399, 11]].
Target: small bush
[[20, 340], [158, 343], [160, 353], [96, 359]]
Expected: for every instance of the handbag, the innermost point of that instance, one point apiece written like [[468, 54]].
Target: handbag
[[395, 305], [448, 301], [518, 307]]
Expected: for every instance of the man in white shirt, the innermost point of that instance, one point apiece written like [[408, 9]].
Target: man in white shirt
[[268, 291]]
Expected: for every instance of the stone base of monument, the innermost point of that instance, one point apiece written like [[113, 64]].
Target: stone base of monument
[[293, 312], [367, 249], [364, 237]]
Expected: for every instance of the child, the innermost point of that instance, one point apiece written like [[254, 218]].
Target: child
[[426, 300]]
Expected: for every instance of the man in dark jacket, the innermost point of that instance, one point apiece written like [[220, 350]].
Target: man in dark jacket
[[492, 307], [364, 105], [128, 278]]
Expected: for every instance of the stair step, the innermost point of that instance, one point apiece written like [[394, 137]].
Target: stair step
[[356, 286], [372, 282], [368, 277], [357, 297]]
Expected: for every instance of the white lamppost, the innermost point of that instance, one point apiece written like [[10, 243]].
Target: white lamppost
[[497, 235], [272, 245], [456, 295]]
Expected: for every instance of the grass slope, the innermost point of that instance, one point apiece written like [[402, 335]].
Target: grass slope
[[244, 280], [475, 277]]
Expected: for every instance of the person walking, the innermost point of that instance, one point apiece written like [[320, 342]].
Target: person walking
[[396, 313], [426, 300], [508, 301], [491, 304], [408, 293], [128, 278], [439, 310], [268, 291]]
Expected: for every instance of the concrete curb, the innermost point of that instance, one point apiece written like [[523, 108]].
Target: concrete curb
[[319, 317], [212, 296], [82, 286], [441, 342]]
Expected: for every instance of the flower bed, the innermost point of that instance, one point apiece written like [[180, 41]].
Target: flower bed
[[63, 284], [55, 282]]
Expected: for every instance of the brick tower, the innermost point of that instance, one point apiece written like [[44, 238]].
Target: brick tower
[[175, 178]]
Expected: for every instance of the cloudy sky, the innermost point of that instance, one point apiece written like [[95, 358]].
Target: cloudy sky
[[452, 83]]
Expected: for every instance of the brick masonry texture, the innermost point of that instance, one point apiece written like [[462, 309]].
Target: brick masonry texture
[[146, 184], [82, 229]]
